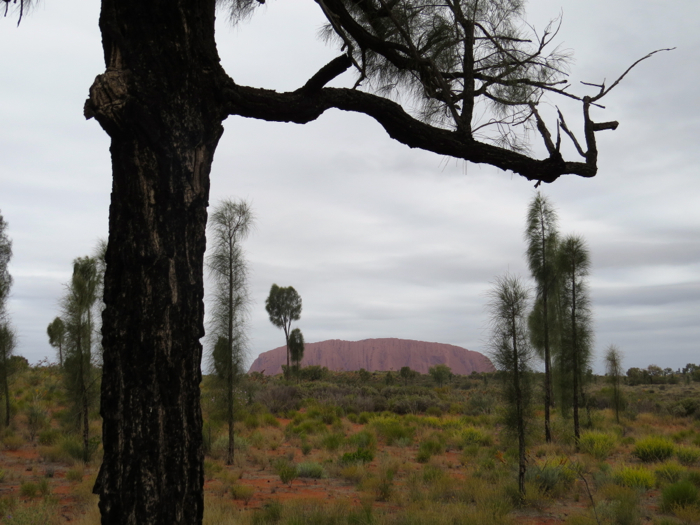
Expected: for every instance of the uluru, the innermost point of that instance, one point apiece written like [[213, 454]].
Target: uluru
[[378, 355]]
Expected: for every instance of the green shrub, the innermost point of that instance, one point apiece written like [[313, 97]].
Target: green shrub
[[550, 477], [362, 455], [242, 492], [393, 430], [635, 477], [28, 489], [12, 442], [694, 477], [669, 472], [332, 442], [251, 421], [681, 494], [364, 418], [286, 470], [598, 444], [475, 436], [269, 514], [270, 420], [74, 474], [310, 470], [653, 448], [688, 456], [71, 447], [428, 449], [49, 437], [363, 439]]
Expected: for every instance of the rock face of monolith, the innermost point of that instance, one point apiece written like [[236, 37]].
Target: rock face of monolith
[[378, 355]]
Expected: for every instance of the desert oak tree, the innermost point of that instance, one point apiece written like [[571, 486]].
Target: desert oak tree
[[283, 306], [229, 225], [162, 99], [511, 353], [542, 238]]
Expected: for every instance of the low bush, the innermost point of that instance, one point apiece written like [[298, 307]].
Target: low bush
[[28, 489], [653, 448], [669, 472], [332, 442], [361, 455], [12, 442], [681, 494], [310, 470], [551, 477], [74, 474], [475, 436], [598, 444], [286, 470], [635, 477], [428, 449], [49, 437], [242, 492], [688, 456]]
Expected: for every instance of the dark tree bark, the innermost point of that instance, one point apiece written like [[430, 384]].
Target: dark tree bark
[[158, 102]]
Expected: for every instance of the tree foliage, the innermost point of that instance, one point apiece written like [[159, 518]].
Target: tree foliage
[[511, 353], [296, 350], [57, 334], [614, 373], [230, 224], [576, 323], [8, 338], [440, 373], [283, 306], [542, 237], [8, 341], [78, 312]]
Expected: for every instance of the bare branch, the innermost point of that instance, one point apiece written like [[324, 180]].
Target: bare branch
[[604, 91]]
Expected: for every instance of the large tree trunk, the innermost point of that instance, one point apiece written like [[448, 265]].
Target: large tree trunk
[[158, 102]]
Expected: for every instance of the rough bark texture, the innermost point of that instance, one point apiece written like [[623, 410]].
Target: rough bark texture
[[157, 101]]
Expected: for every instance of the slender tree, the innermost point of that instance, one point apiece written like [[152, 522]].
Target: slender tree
[[576, 321], [542, 237], [230, 224], [283, 306], [57, 334], [296, 350], [162, 99], [614, 372], [511, 352], [7, 334], [78, 313], [8, 340]]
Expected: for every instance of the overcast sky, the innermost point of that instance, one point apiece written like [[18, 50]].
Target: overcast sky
[[378, 239]]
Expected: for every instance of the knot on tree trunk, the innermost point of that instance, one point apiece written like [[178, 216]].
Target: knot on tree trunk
[[108, 98]]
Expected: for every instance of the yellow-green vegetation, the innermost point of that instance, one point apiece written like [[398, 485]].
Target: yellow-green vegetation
[[409, 454], [598, 444], [636, 477], [654, 448]]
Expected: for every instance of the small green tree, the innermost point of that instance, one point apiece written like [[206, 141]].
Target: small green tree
[[8, 340], [613, 370], [576, 322], [57, 334], [283, 305], [8, 337], [440, 373], [77, 308], [406, 374], [296, 351], [511, 353], [542, 239]]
